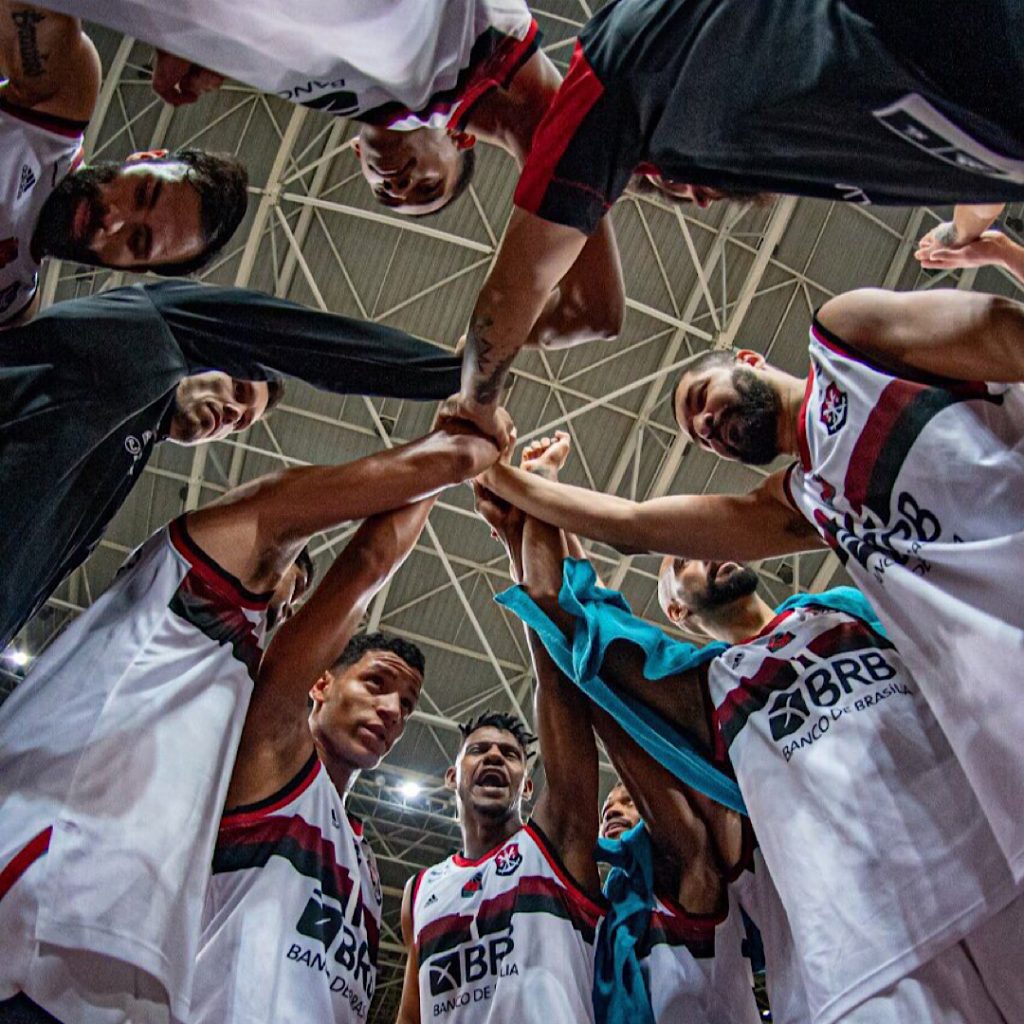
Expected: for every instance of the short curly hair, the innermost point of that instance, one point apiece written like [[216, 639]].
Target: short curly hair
[[365, 642], [506, 723], [222, 183]]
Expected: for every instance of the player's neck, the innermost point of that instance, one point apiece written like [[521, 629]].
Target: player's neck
[[739, 620], [791, 392], [341, 773], [480, 835]]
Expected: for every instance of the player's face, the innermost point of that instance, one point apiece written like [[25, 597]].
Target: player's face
[[288, 595], [409, 172], [490, 777], [619, 814], [731, 410], [209, 406], [691, 585], [360, 712], [131, 216]]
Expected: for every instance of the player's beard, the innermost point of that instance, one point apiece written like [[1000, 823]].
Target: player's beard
[[740, 583], [52, 236], [754, 419]]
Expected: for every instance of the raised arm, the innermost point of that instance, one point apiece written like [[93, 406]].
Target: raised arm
[[257, 530], [409, 1007], [956, 334], [534, 257], [312, 640], [50, 64], [745, 526]]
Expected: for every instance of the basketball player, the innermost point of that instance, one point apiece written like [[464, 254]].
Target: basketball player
[[504, 929], [908, 470], [115, 752], [843, 770], [291, 922], [160, 211], [709, 98]]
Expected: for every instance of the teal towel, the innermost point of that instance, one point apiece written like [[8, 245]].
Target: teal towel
[[620, 989], [604, 616]]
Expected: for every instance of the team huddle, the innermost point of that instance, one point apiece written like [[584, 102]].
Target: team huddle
[[828, 791]]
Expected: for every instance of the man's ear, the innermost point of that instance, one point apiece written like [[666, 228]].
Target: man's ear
[[750, 358], [462, 140], [677, 613], [449, 778], [528, 790], [148, 154], [318, 691]]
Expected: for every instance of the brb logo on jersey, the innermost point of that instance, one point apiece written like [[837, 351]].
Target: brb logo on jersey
[[470, 965], [507, 860], [787, 714], [833, 408]]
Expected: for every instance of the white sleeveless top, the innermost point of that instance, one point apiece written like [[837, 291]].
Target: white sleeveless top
[[918, 487], [291, 924], [505, 939], [695, 968], [402, 63], [37, 152], [122, 739], [871, 832]]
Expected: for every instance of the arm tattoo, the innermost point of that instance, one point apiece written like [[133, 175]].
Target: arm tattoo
[[28, 45], [490, 371]]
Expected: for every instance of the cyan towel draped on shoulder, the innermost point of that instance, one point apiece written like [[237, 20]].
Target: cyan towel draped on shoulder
[[602, 617]]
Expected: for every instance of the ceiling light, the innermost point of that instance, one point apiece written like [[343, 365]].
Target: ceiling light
[[409, 790]]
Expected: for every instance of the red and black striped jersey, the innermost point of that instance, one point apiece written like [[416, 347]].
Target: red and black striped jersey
[[915, 483], [291, 924], [508, 937]]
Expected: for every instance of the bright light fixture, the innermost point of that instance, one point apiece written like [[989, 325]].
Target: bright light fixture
[[409, 789], [19, 658]]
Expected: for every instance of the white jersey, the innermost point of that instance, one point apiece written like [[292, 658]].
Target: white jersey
[[917, 488], [505, 939], [400, 63], [753, 889], [119, 747], [291, 924], [695, 968], [37, 151], [870, 829]]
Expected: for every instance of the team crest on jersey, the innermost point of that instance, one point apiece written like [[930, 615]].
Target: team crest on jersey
[[473, 886], [8, 251], [833, 408], [507, 860], [779, 640]]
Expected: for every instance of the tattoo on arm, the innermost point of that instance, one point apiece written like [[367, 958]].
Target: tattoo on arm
[[32, 60], [490, 371]]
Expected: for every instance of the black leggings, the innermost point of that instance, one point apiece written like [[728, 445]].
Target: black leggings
[[21, 1010]]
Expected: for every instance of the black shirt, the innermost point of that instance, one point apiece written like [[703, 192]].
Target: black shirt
[[86, 387], [886, 101]]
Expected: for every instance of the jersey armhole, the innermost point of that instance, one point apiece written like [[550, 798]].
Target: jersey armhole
[[210, 570], [293, 788], [412, 903], [748, 844], [787, 486], [52, 123], [592, 905]]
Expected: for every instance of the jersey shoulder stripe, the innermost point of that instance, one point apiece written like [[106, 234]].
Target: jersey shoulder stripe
[[245, 814], [671, 925]]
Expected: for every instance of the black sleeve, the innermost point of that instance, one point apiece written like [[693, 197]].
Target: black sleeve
[[245, 333]]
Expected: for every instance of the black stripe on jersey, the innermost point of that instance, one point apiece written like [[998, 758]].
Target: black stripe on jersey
[[250, 845], [281, 796], [696, 934], [533, 895]]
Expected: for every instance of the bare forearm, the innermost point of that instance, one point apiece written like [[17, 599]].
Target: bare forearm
[[971, 220]]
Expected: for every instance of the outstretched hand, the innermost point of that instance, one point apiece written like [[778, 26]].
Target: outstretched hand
[[178, 81], [985, 251], [547, 456]]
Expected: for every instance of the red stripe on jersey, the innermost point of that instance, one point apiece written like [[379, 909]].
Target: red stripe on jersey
[[578, 93], [24, 859], [497, 71], [205, 567]]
